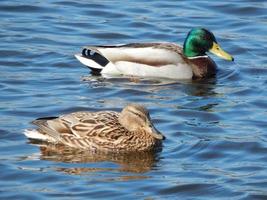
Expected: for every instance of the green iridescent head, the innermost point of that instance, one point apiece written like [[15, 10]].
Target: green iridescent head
[[199, 41]]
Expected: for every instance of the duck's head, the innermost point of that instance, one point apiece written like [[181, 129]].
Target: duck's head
[[135, 118], [199, 41]]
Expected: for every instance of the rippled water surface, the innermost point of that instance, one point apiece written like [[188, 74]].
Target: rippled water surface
[[216, 146]]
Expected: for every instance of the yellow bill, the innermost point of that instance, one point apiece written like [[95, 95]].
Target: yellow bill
[[218, 51]]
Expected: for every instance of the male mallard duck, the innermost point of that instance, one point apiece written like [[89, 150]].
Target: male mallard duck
[[166, 60], [130, 130]]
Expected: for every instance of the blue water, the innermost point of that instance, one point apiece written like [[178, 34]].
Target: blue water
[[216, 146]]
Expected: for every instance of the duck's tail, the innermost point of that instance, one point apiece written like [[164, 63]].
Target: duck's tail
[[36, 135], [43, 132], [93, 59]]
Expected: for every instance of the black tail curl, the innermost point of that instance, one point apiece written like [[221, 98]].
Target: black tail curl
[[95, 56]]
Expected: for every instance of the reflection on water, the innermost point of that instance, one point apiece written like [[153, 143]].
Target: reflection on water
[[131, 80], [202, 88], [127, 162]]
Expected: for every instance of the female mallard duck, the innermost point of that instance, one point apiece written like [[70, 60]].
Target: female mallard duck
[[130, 130], [166, 60]]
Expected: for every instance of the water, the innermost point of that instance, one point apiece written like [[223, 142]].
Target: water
[[216, 145]]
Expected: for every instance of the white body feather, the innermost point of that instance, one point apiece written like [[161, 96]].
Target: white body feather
[[124, 60], [36, 135]]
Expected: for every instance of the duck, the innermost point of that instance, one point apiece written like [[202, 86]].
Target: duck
[[131, 130], [157, 59]]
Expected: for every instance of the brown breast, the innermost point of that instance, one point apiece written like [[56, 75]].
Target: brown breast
[[203, 67]]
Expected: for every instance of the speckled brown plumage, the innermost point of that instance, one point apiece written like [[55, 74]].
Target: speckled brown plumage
[[104, 130]]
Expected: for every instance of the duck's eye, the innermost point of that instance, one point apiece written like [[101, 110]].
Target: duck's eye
[[206, 37]]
